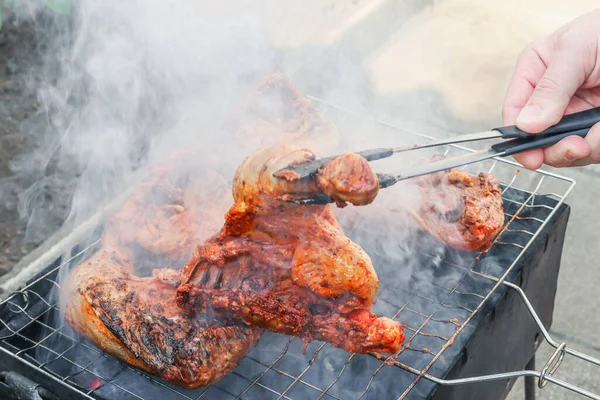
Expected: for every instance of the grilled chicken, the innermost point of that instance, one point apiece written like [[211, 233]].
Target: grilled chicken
[[171, 210], [348, 179], [462, 210], [135, 318], [289, 268]]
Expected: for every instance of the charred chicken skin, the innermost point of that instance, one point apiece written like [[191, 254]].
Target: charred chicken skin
[[136, 319], [289, 268]]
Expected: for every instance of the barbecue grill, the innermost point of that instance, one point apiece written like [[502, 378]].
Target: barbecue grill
[[473, 321]]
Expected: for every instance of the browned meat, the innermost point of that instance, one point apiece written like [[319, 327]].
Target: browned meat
[[169, 212], [273, 264], [136, 319], [346, 179], [349, 178], [462, 210], [287, 267]]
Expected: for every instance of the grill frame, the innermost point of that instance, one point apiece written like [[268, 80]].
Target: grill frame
[[498, 282]]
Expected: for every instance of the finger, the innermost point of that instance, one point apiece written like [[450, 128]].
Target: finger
[[584, 99], [578, 104], [532, 159], [593, 141], [566, 152], [529, 70], [553, 92]]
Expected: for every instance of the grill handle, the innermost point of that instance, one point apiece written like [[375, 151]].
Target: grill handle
[[24, 388]]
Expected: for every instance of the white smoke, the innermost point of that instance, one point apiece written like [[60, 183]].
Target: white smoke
[[135, 80], [131, 82]]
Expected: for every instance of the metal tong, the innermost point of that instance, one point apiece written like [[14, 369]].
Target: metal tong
[[516, 141]]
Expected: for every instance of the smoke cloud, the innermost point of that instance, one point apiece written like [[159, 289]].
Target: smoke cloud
[[134, 81], [128, 84], [131, 83]]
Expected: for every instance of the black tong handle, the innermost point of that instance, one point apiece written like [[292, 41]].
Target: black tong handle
[[538, 141], [569, 123], [573, 124]]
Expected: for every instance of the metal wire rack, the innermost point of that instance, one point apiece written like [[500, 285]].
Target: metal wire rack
[[438, 310]]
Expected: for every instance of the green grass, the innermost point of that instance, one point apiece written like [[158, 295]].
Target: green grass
[[62, 7]]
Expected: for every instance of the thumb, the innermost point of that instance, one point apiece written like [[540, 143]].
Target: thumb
[[563, 77]]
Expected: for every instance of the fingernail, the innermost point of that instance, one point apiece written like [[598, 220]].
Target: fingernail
[[531, 113]]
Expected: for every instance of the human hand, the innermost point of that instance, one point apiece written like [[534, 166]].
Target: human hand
[[558, 75]]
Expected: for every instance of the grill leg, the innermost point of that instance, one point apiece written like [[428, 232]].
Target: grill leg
[[530, 380]]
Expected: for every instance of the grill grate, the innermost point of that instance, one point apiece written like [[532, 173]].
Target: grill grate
[[440, 304]]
